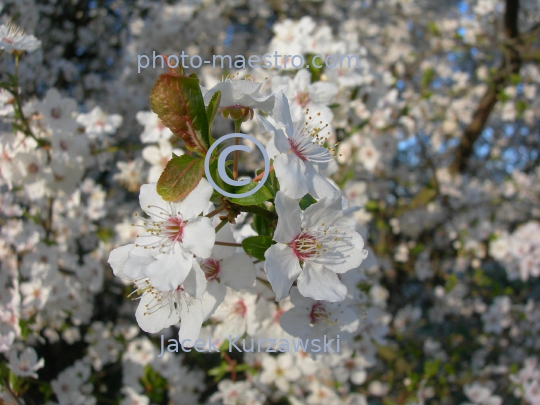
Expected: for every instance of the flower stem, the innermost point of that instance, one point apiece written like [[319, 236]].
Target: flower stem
[[216, 211], [228, 244], [237, 124], [221, 225], [232, 366], [19, 112], [17, 65], [254, 209], [260, 176]]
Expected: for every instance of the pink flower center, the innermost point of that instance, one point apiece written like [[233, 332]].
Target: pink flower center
[[297, 150], [56, 113], [175, 229], [7, 40], [211, 268], [305, 246], [33, 168], [278, 315], [240, 308], [302, 99], [318, 312]]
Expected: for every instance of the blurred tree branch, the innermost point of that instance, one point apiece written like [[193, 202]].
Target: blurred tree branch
[[510, 65]]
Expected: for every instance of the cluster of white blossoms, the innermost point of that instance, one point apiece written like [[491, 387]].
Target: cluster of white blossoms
[[445, 305], [182, 276], [519, 251]]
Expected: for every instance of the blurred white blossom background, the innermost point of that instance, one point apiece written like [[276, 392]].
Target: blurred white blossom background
[[436, 160]]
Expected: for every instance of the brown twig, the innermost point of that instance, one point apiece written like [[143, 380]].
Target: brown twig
[[216, 211], [232, 366], [228, 244], [510, 65], [260, 176]]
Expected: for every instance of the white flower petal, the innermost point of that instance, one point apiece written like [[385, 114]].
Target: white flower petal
[[213, 297], [199, 237], [299, 300], [317, 185], [151, 202], [282, 268], [281, 142], [302, 80], [295, 323], [265, 126], [291, 173], [137, 266], [196, 201], [152, 155], [282, 113], [347, 319], [157, 320], [192, 316], [265, 103], [195, 282], [319, 283], [170, 270], [322, 92], [224, 235], [346, 254], [327, 211], [118, 257], [237, 271], [289, 218]]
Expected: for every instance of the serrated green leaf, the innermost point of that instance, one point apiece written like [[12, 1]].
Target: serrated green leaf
[[178, 102], [306, 201], [179, 70], [256, 198], [211, 111], [181, 175], [256, 246]]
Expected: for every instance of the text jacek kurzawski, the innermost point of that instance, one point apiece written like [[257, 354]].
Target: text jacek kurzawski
[[269, 345]]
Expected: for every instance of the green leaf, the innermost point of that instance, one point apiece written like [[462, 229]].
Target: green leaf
[[432, 27], [178, 102], [261, 225], [155, 384], [431, 368], [515, 79], [272, 183], [179, 70], [306, 201], [23, 325], [181, 175], [217, 178], [423, 198], [211, 111], [219, 372], [256, 246], [258, 197], [451, 282], [427, 77]]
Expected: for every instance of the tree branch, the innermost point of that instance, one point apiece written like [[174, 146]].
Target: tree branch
[[510, 65]]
